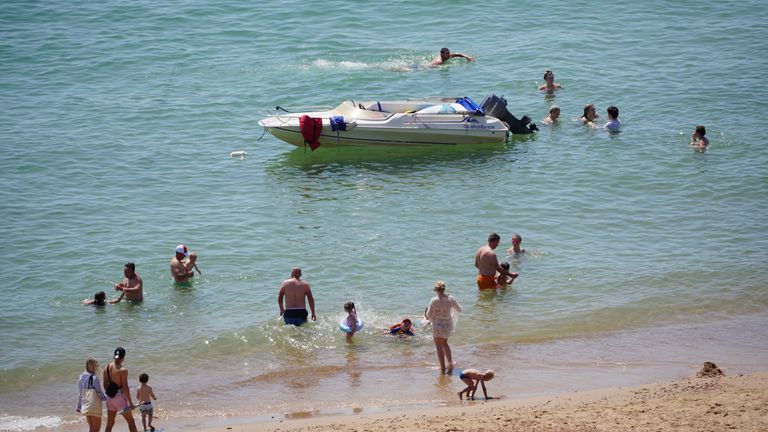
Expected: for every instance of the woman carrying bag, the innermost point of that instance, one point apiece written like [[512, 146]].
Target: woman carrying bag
[[90, 394]]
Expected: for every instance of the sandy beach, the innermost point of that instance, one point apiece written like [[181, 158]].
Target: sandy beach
[[720, 403]]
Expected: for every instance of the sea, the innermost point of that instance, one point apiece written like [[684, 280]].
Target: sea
[[644, 258]]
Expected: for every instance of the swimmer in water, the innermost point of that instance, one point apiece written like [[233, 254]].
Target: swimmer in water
[[403, 328], [590, 115], [553, 116], [445, 55], [698, 139], [549, 85]]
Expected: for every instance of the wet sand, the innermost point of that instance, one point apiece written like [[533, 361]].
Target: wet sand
[[738, 403]]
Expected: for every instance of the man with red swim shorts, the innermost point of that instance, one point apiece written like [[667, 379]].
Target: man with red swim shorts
[[487, 264]]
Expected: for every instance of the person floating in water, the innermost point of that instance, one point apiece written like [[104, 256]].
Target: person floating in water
[[445, 55]]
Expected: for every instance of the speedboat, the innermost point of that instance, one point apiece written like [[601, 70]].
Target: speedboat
[[411, 122]]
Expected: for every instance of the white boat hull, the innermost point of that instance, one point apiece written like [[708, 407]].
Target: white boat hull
[[369, 127]]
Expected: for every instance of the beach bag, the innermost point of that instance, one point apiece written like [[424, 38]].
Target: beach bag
[[91, 400], [112, 386]]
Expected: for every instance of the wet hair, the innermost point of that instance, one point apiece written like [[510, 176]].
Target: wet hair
[[131, 266], [489, 375], [504, 265], [493, 237], [349, 306], [407, 321], [613, 111], [701, 130], [439, 286], [143, 378], [91, 365], [99, 297], [516, 236], [553, 108], [444, 49], [548, 72], [586, 109]]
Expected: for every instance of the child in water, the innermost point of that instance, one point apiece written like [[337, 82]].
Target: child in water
[[192, 263], [471, 378], [350, 321], [504, 281], [144, 395], [100, 299], [404, 328]]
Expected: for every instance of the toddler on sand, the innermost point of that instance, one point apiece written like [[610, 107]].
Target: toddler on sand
[[471, 378], [144, 395]]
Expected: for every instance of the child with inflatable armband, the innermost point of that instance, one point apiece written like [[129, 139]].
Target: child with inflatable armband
[[403, 328], [350, 322]]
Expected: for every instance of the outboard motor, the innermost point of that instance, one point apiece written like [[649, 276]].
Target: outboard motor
[[496, 106]]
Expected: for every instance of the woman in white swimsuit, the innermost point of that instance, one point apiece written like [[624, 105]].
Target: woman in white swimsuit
[[440, 313]]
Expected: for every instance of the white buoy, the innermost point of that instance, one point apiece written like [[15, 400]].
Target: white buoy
[[239, 153]]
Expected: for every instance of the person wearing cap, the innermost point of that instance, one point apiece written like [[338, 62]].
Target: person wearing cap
[[488, 264], [445, 55], [179, 270], [132, 286], [116, 380], [295, 291]]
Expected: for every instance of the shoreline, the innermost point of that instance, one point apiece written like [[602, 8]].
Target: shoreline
[[738, 402]]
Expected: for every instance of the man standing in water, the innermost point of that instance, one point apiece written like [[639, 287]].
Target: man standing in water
[[295, 291], [488, 264], [445, 55], [132, 286], [179, 271]]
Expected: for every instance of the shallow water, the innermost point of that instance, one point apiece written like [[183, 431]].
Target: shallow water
[[117, 125]]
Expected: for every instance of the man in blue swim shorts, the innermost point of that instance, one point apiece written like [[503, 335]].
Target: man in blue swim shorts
[[295, 291]]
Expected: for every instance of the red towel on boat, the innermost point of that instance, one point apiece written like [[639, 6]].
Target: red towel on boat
[[310, 129]]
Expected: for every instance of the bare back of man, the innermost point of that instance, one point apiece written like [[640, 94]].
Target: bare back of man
[[296, 293], [488, 264]]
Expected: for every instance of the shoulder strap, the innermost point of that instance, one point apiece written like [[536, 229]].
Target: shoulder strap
[[90, 382]]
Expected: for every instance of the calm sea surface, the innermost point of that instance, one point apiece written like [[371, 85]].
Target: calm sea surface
[[644, 259]]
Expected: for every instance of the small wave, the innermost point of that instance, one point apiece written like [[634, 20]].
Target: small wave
[[19, 423]]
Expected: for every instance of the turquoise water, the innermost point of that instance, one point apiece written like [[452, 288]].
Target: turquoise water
[[117, 122]]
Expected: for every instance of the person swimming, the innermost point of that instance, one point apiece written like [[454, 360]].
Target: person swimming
[[402, 328]]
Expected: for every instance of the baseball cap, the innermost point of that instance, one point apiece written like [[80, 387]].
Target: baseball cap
[[182, 249], [119, 352]]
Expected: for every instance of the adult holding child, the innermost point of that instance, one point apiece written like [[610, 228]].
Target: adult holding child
[[440, 313], [179, 269], [488, 264], [118, 392]]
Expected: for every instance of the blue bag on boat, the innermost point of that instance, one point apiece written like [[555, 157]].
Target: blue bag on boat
[[337, 124], [470, 105]]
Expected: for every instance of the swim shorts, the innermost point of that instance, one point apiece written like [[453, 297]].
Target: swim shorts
[[296, 317], [146, 407], [486, 282], [462, 376], [117, 403]]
